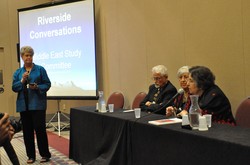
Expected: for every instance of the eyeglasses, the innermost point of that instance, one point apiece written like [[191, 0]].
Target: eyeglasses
[[157, 78]]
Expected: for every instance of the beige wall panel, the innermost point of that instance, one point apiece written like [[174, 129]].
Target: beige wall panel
[[131, 39], [106, 25], [165, 37], [173, 33], [100, 51], [246, 38], [4, 21], [7, 98], [213, 37], [3, 36]]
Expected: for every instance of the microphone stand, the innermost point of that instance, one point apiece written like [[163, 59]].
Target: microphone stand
[[180, 91]]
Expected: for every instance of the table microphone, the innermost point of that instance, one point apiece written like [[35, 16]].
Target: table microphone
[[28, 77], [180, 91]]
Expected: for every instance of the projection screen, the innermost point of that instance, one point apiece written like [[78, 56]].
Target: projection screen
[[63, 37]]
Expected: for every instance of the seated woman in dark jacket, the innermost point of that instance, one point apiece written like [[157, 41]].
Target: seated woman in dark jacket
[[160, 92], [182, 103], [212, 100]]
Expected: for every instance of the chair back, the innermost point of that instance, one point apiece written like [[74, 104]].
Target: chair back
[[138, 99], [117, 99], [242, 116]]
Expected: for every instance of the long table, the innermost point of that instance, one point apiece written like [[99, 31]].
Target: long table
[[120, 139]]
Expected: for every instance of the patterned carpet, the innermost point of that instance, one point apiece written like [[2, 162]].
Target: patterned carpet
[[58, 158]]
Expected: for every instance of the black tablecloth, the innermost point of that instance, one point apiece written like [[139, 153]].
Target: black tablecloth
[[118, 138]]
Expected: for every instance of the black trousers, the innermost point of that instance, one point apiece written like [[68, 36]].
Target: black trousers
[[11, 152], [34, 120]]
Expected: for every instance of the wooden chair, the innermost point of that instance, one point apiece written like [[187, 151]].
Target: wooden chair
[[117, 99], [137, 100], [242, 116]]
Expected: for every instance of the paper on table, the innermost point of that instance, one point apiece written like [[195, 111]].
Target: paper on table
[[130, 110], [165, 121]]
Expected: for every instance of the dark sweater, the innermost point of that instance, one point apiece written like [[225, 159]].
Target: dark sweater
[[166, 93], [214, 101]]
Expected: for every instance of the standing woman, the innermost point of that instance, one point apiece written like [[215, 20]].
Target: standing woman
[[212, 100], [182, 102], [31, 82]]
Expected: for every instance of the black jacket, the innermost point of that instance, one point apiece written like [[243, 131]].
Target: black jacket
[[166, 93], [214, 101]]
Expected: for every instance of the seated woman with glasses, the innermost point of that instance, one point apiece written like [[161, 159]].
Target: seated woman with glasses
[[160, 92], [182, 103]]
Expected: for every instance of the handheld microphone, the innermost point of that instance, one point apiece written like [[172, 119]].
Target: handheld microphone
[[28, 77]]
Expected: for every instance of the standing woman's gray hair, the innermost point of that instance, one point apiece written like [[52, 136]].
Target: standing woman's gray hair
[[27, 49]]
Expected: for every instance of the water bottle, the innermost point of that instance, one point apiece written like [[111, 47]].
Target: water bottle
[[194, 112], [101, 101]]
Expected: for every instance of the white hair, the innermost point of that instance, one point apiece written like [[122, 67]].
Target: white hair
[[182, 70], [160, 69]]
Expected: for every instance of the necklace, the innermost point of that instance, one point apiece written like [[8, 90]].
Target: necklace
[[185, 97]]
